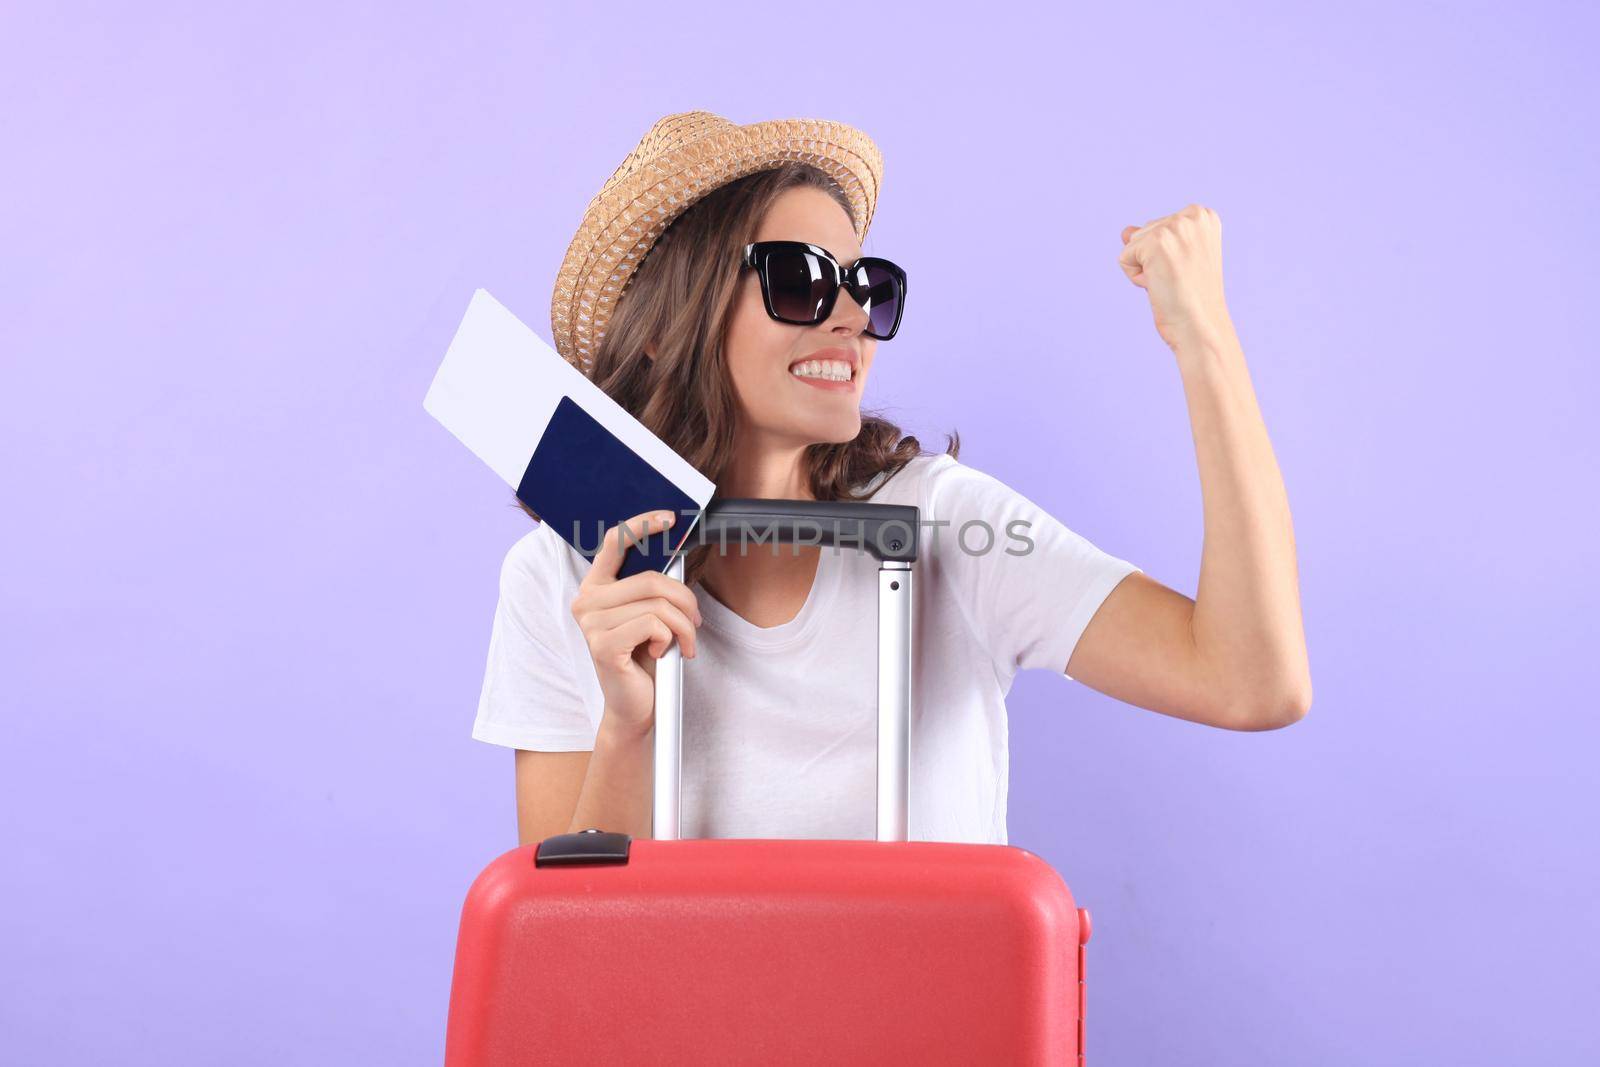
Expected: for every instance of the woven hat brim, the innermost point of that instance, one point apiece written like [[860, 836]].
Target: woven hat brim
[[625, 219]]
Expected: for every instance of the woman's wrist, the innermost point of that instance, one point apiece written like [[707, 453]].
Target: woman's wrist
[[616, 731], [615, 794]]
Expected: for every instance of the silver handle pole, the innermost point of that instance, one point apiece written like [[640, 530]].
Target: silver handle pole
[[667, 812], [894, 714], [894, 701]]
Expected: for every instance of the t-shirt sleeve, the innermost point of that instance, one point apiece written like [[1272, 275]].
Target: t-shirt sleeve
[[1029, 583], [532, 697]]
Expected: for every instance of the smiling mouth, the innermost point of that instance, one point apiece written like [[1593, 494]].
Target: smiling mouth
[[826, 370]]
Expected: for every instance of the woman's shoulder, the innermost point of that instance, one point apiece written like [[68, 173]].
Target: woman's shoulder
[[539, 558], [938, 482], [950, 491], [909, 484]]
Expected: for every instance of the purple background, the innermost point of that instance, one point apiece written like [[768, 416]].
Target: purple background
[[249, 582]]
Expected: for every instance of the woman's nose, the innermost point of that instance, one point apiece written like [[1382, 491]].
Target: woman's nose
[[847, 313]]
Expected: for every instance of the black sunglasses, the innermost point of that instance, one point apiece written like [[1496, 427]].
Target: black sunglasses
[[800, 282]]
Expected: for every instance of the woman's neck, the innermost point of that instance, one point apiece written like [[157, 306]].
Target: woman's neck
[[766, 474], [766, 584]]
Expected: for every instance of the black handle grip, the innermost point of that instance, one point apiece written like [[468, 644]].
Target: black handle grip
[[887, 531], [583, 847]]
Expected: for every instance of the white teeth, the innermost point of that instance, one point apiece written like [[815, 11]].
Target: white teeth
[[834, 370]]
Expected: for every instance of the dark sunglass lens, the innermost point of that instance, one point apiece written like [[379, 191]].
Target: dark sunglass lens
[[883, 299], [799, 283]]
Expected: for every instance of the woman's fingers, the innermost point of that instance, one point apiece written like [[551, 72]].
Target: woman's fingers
[[618, 644], [619, 538], [649, 608], [642, 586], [677, 622]]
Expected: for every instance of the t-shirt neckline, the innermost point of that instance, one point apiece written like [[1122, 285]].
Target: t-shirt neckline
[[737, 628]]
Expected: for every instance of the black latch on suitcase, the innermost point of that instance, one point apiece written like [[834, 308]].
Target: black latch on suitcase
[[584, 847]]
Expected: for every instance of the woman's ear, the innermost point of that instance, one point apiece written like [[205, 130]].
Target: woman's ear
[[650, 349]]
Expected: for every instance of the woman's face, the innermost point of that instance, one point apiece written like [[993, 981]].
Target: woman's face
[[777, 407]]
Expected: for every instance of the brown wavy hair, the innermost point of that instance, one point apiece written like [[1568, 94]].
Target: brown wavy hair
[[684, 394]]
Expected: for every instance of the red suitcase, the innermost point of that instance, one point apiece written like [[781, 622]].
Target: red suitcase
[[595, 948]]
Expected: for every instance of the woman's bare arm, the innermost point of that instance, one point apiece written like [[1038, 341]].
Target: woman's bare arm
[[609, 788], [1234, 656], [548, 784]]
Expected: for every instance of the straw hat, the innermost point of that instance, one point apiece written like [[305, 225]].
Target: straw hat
[[682, 158]]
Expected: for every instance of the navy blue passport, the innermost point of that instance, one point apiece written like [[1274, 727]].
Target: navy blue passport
[[582, 480], [574, 456]]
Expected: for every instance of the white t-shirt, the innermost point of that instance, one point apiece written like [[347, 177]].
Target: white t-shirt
[[780, 723]]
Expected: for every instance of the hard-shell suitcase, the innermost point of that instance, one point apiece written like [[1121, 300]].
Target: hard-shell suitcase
[[596, 948]]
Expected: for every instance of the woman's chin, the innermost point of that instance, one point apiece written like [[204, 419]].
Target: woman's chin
[[837, 431]]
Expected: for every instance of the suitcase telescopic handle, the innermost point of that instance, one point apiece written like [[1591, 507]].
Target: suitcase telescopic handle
[[888, 532]]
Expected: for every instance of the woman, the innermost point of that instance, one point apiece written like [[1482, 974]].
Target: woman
[[680, 298]]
